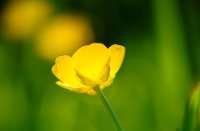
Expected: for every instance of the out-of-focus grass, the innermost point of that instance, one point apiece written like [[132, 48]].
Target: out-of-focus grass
[[174, 80]]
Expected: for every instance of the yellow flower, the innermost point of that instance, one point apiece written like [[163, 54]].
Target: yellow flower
[[63, 35], [21, 18], [91, 65]]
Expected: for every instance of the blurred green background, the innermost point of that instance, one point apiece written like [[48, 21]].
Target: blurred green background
[[151, 91]]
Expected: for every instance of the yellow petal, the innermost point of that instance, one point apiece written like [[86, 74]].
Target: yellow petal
[[75, 89], [107, 83], [91, 60], [91, 92], [64, 71], [117, 56]]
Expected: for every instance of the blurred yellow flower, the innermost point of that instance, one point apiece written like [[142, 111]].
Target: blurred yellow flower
[[63, 35], [91, 65], [195, 97], [20, 18], [194, 104]]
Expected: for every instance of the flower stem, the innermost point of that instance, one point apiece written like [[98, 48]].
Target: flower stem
[[108, 108]]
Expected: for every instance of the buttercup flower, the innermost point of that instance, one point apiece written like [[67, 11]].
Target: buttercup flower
[[90, 66]]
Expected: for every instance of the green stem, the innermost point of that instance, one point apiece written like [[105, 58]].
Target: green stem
[[108, 108]]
